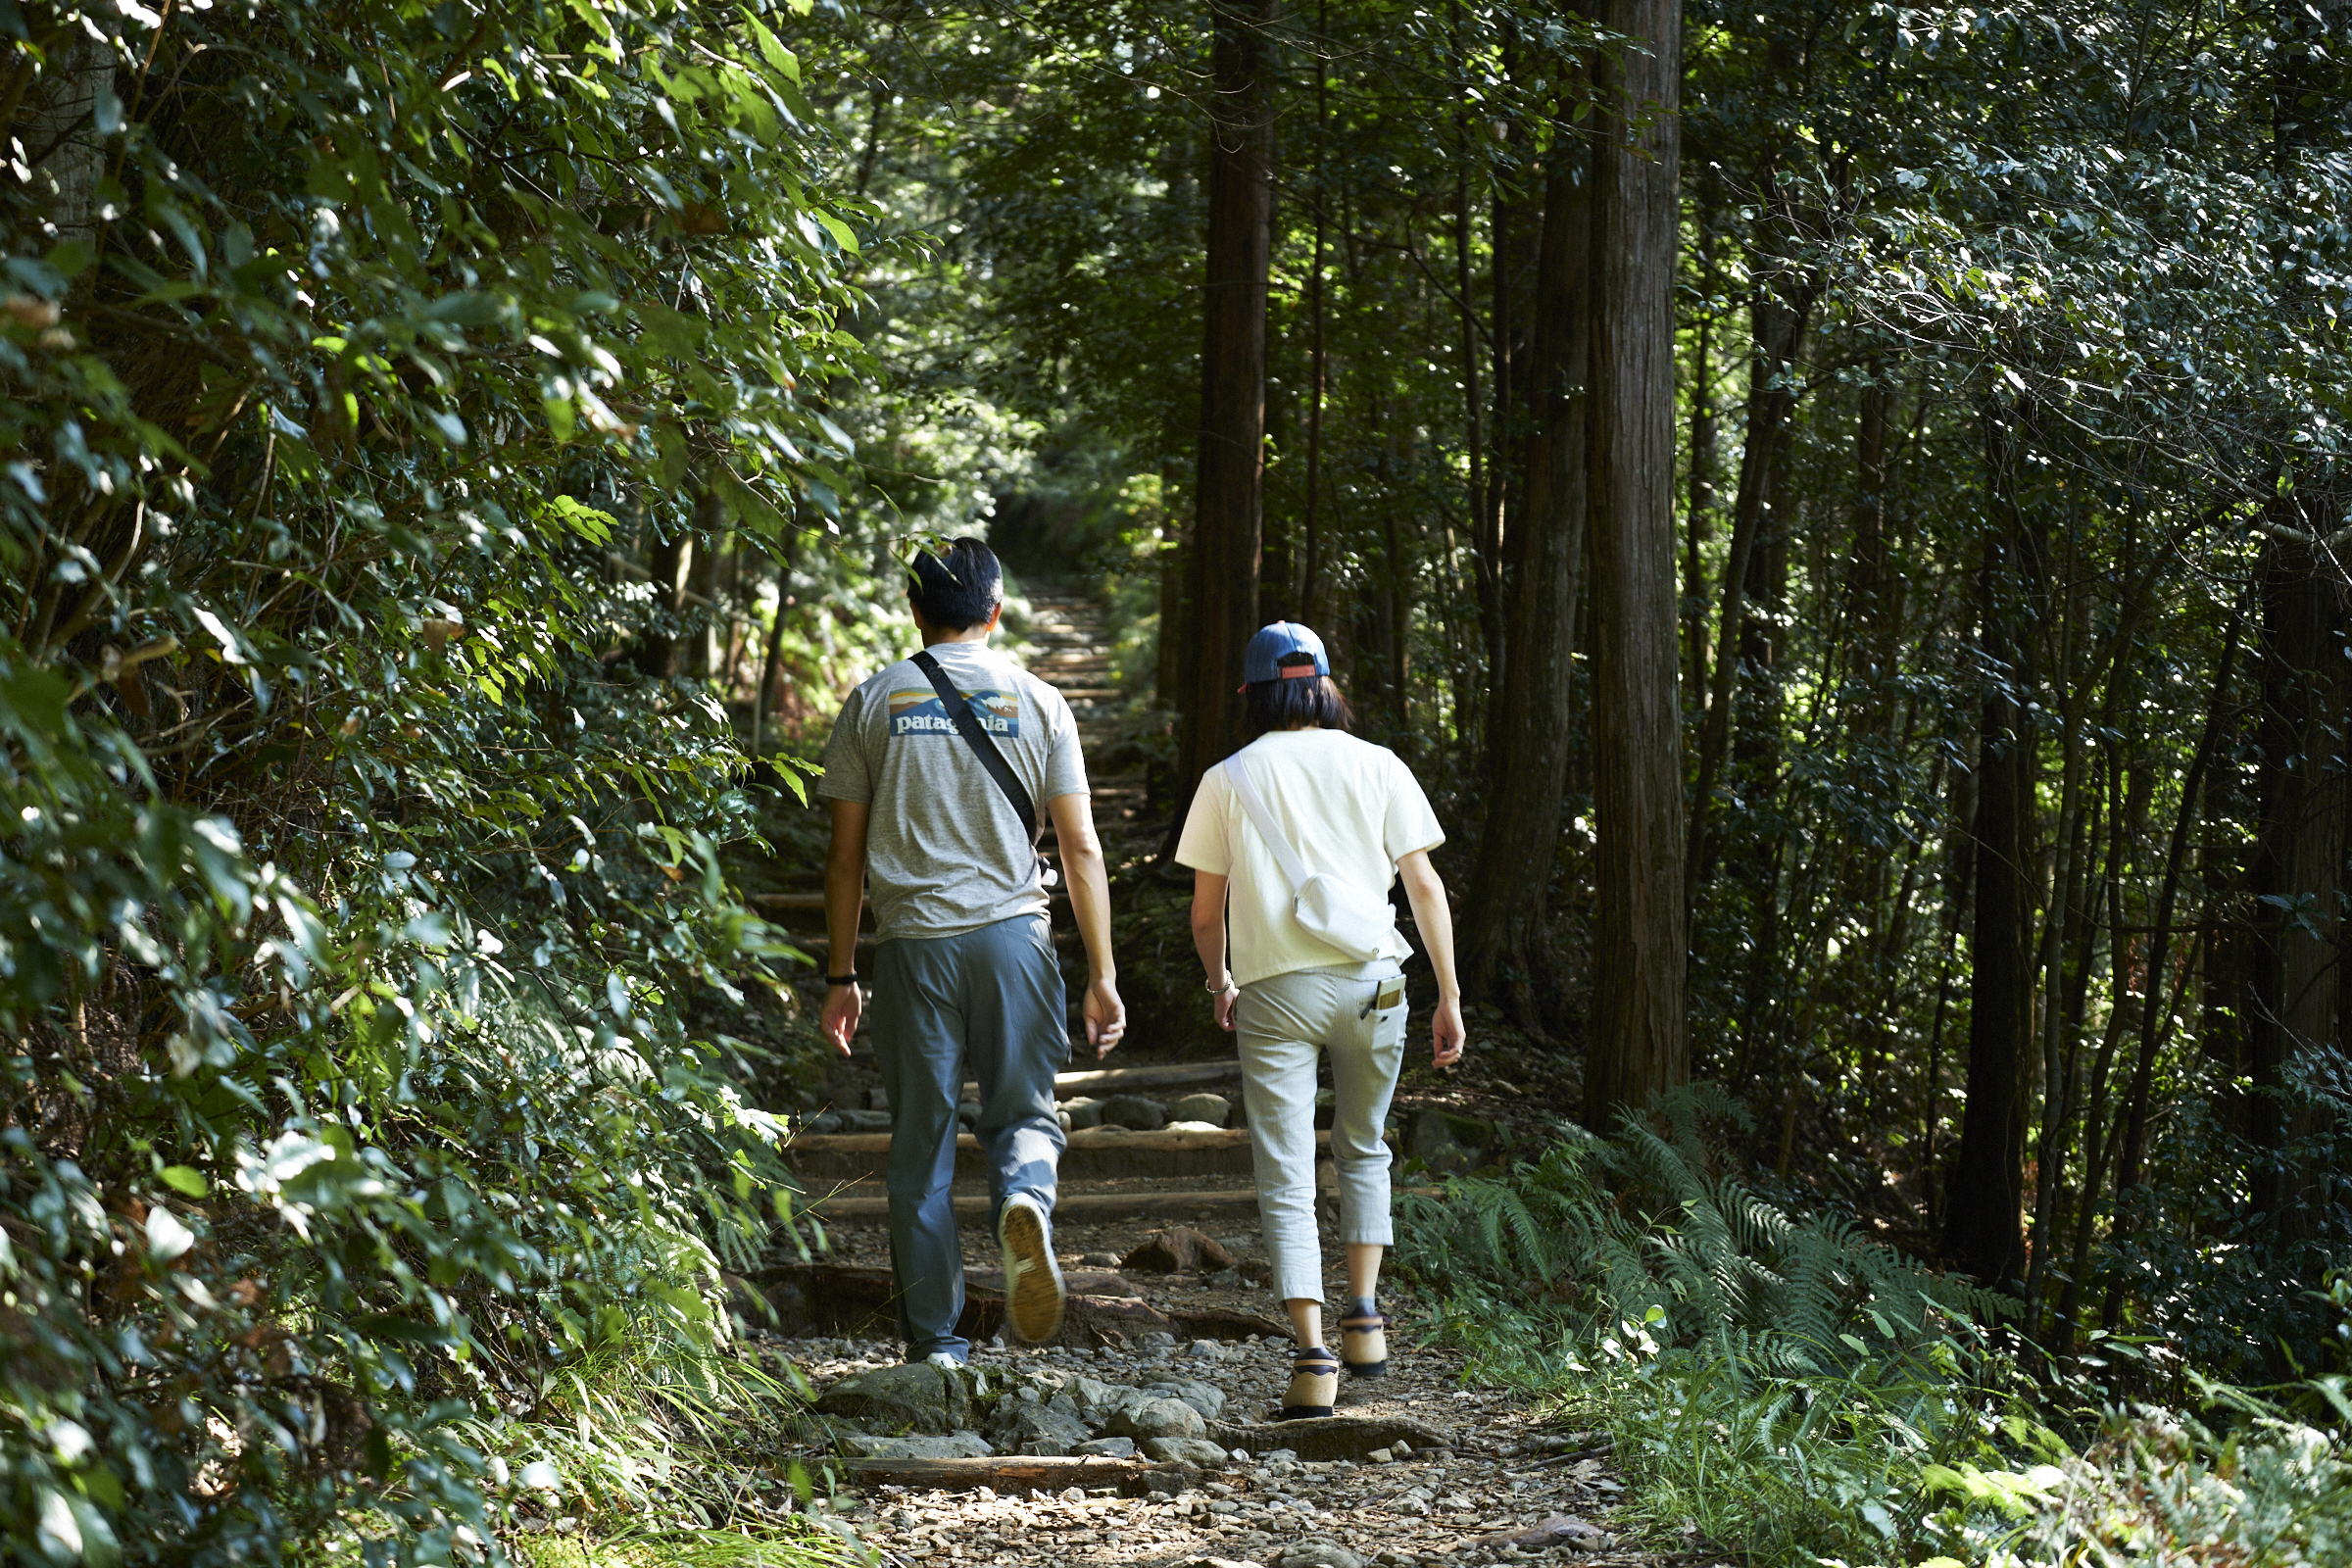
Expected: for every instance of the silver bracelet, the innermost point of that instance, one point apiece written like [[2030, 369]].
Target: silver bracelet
[[1221, 987]]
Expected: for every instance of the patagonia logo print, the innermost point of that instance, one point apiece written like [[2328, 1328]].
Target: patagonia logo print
[[921, 712]]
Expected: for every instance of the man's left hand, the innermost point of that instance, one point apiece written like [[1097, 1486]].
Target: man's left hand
[[1106, 1016]]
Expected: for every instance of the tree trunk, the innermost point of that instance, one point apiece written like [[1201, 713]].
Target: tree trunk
[[709, 644], [1639, 1047], [657, 649], [1223, 561], [763, 699], [2097, 1144], [2298, 866], [1984, 1232], [1703, 464], [1310, 568], [1503, 921], [1779, 327]]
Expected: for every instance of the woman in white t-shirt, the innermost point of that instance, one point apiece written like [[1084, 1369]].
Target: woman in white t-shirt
[[1315, 972]]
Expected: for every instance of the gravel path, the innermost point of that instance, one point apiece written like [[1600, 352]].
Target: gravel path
[[1445, 1506]]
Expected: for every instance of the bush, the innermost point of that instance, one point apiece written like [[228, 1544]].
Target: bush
[[351, 1148], [1784, 1386]]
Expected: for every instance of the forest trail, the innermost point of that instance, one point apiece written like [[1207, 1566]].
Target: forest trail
[[1496, 1487]]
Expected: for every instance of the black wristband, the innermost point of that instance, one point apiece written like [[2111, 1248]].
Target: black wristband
[[848, 979]]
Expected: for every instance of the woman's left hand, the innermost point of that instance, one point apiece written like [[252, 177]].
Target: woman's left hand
[[1221, 1005]]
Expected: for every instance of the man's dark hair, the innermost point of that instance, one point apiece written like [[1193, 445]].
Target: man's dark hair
[[1313, 703], [957, 589]]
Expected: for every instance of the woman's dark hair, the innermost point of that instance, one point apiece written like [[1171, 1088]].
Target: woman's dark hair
[[1292, 704], [958, 588]]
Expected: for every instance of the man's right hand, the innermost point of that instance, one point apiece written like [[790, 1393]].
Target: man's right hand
[[842, 1004], [1106, 1016]]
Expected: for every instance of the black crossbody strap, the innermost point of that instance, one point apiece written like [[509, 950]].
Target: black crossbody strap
[[967, 725]]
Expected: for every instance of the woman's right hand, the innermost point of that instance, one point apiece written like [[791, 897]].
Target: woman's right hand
[[1446, 1033]]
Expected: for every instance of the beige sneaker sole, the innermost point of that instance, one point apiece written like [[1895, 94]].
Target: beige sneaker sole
[[1033, 1309]]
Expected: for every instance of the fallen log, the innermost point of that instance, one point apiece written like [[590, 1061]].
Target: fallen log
[[1012, 1472], [1331, 1437]]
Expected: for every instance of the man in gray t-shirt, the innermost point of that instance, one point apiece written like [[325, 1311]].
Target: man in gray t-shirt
[[964, 969]]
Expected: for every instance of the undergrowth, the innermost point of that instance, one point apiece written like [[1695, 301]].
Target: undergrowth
[[1780, 1386]]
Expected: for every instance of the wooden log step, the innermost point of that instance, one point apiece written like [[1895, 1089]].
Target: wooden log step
[[863, 1200], [1107, 1081], [1102, 1083], [1093, 1153], [1013, 1472], [1167, 1140], [814, 903], [801, 1298], [1331, 1437]]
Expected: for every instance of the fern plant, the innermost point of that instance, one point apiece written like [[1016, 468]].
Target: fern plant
[[1609, 1231], [1776, 1378]]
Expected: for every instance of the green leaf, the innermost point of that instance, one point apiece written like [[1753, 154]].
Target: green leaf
[[183, 1179], [840, 231], [771, 48]]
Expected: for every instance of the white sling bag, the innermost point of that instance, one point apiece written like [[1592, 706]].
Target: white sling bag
[[1329, 912]]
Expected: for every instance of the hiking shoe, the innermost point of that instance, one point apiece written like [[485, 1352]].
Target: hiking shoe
[[945, 1361], [1314, 1385], [1364, 1342], [1033, 1291]]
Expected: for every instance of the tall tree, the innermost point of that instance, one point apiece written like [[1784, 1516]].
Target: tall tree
[[1222, 560], [1640, 1044], [1983, 1216], [1781, 308], [2298, 870], [1504, 922]]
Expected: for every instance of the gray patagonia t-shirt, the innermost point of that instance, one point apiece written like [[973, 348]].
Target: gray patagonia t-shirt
[[944, 852]]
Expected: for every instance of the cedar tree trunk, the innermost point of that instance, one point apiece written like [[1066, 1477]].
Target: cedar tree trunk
[[1502, 924], [1639, 1047], [1223, 560]]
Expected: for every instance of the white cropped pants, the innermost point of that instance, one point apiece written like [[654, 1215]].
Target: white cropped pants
[[1284, 1023]]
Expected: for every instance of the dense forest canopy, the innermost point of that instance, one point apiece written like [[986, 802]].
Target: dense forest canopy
[[1845, 507]]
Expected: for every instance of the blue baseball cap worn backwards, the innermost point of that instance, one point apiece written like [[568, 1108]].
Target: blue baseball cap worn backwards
[[1284, 651]]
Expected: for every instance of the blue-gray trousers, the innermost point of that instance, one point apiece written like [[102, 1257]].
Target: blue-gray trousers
[[990, 1000]]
